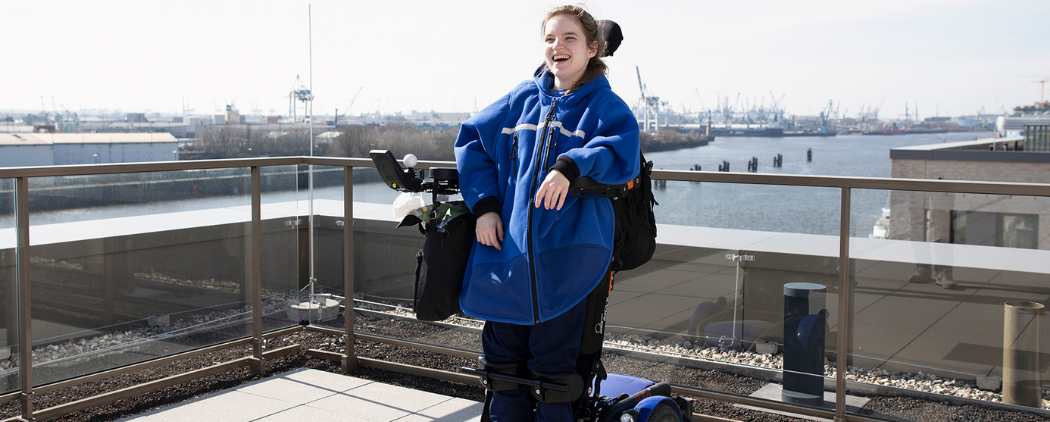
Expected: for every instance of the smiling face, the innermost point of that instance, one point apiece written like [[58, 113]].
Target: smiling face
[[566, 50]]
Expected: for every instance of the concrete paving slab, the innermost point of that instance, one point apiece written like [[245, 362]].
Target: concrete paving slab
[[452, 410], [227, 406], [379, 402], [708, 286], [287, 390], [310, 394], [335, 382], [618, 296], [647, 309], [306, 413], [655, 280]]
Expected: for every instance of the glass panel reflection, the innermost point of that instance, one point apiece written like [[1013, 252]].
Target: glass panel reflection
[[282, 213], [385, 263], [8, 290], [929, 300], [713, 297], [127, 268], [328, 262]]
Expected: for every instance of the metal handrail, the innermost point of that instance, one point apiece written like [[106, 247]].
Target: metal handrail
[[349, 361], [949, 186]]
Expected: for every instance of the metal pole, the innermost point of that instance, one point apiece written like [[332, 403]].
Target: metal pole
[[349, 360], [310, 168], [255, 277], [842, 342], [25, 316]]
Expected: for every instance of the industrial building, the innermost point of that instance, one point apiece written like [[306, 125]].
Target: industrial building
[[55, 149]]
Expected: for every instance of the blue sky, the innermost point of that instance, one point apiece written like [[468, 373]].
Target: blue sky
[[948, 57]]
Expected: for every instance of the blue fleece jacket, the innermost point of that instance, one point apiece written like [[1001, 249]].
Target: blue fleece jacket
[[550, 259]]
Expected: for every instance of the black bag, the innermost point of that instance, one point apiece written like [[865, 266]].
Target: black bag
[[635, 240], [442, 262]]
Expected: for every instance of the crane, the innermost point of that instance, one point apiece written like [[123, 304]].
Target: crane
[[58, 117], [350, 107], [352, 101], [1042, 89], [301, 93], [875, 111], [650, 103], [776, 103], [825, 114], [700, 115]]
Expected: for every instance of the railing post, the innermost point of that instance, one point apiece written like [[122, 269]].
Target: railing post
[[258, 365], [25, 316], [842, 341], [349, 361]]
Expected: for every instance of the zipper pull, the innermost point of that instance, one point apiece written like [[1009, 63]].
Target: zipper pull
[[514, 154], [514, 147], [551, 143]]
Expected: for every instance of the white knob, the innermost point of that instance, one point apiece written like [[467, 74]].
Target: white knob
[[410, 160]]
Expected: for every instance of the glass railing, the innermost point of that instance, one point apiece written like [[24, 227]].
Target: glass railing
[[129, 267], [8, 290], [946, 301], [152, 264], [384, 284]]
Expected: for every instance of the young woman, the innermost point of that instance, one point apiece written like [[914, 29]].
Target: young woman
[[540, 252]]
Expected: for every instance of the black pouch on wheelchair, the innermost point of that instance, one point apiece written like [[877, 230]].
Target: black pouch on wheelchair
[[441, 263], [594, 321]]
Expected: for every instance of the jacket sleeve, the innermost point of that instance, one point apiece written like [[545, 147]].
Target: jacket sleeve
[[611, 155], [476, 157]]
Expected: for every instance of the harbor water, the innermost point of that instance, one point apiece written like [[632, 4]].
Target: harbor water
[[791, 209]]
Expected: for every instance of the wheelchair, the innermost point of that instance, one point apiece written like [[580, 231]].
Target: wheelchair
[[596, 396]]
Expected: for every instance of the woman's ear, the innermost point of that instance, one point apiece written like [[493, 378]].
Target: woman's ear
[[593, 50]]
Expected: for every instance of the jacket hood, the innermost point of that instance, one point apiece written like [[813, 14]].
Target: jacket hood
[[544, 80]]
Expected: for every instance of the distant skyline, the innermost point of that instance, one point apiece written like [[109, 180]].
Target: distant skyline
[[947, 57]]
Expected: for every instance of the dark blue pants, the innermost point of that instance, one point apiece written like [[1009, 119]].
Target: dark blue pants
[[550, 346]]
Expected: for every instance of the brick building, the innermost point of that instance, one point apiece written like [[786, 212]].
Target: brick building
[[991, 220]]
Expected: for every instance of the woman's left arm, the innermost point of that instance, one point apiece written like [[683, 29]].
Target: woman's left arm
[[611, 154]]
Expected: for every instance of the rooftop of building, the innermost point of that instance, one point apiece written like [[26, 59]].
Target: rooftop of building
[[23, 139]]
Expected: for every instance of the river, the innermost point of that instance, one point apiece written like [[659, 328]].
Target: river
[[748, 207], [793, 209]]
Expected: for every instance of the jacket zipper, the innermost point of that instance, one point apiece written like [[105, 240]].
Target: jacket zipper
[[540, 157], [514, 154]]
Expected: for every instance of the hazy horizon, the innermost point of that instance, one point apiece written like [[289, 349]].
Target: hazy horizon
[[949, 58]]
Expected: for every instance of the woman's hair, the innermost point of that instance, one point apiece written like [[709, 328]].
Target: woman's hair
[[592, 32]]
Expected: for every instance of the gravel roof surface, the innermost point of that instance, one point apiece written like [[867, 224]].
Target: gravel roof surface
[[890, 408]]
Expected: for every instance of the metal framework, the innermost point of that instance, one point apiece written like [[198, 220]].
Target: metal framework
[[348, 361]]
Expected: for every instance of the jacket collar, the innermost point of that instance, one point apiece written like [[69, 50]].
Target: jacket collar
[[543, 81]]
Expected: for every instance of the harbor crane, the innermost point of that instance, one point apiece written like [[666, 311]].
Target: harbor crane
[[650, 106], [700, 115], [776, 105], [353, 100], [350, 107], [301, 93], [825, 114]]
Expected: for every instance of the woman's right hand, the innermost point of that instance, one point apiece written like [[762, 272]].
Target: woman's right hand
[[490, 230]]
